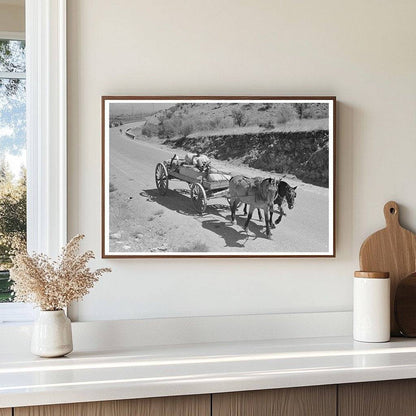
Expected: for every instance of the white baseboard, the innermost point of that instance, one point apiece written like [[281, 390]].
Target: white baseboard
[[169, 331]]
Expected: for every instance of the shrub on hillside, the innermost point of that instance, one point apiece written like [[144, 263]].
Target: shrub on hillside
[[186, 129], [239, 118], [214, 123], [268, 126], [311, 110], [149, 130], [169, 127], [285, 113], [265, 107]]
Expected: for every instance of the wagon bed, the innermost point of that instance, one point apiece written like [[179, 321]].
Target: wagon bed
[[203, 185]]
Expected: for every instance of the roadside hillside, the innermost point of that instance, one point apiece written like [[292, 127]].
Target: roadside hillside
[[274, 137], [303, 154]]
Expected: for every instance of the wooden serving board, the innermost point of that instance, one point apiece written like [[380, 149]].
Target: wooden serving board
[[405, 306], [393, 250]]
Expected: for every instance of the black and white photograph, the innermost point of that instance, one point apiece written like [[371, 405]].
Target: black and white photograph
[[218, 176]]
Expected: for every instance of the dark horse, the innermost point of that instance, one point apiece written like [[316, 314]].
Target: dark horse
[[284, 191], [258, 193]]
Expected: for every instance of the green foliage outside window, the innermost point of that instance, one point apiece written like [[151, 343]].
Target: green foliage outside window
[[12, 223], [12, 145]]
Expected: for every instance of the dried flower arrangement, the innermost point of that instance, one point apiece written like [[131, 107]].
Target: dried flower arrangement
[[53, 285]]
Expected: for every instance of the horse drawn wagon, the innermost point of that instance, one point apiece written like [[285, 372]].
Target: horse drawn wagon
[[204, 181]]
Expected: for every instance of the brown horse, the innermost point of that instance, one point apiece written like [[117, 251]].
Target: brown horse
[[257, 193], [284, 192]]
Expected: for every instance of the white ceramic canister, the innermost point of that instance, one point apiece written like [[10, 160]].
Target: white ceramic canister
[[371, 313]]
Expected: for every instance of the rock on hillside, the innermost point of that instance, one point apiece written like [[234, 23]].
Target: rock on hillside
[[304, 154], [315, 170]]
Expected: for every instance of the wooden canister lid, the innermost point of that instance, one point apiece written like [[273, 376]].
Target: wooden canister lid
[[372, 275]]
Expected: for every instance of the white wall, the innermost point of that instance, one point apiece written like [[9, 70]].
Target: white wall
[[361, 51]]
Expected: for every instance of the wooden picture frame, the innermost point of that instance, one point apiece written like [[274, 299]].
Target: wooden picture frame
[[155, 147]]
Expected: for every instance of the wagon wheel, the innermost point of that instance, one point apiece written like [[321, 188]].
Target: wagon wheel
[[161, 178], [199, 197]]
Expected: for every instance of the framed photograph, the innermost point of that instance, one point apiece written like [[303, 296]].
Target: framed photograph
[[218, 177]]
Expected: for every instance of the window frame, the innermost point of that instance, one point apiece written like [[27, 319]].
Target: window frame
[[46, 137], [12, 35]]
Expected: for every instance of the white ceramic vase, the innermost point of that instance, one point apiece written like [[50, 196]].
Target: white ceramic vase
[[52, 334]]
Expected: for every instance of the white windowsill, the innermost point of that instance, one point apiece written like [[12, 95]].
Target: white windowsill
[[16, 313]]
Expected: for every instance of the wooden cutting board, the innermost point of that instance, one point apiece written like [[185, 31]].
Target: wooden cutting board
[[393, 250], [405, 306]]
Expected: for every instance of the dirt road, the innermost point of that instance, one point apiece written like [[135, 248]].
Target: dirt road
[[141, 220]]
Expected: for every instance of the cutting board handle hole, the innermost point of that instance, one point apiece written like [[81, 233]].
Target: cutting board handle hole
[[391, 213]]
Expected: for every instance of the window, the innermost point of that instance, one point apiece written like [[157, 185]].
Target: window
[[12, 153], [45, 90]]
